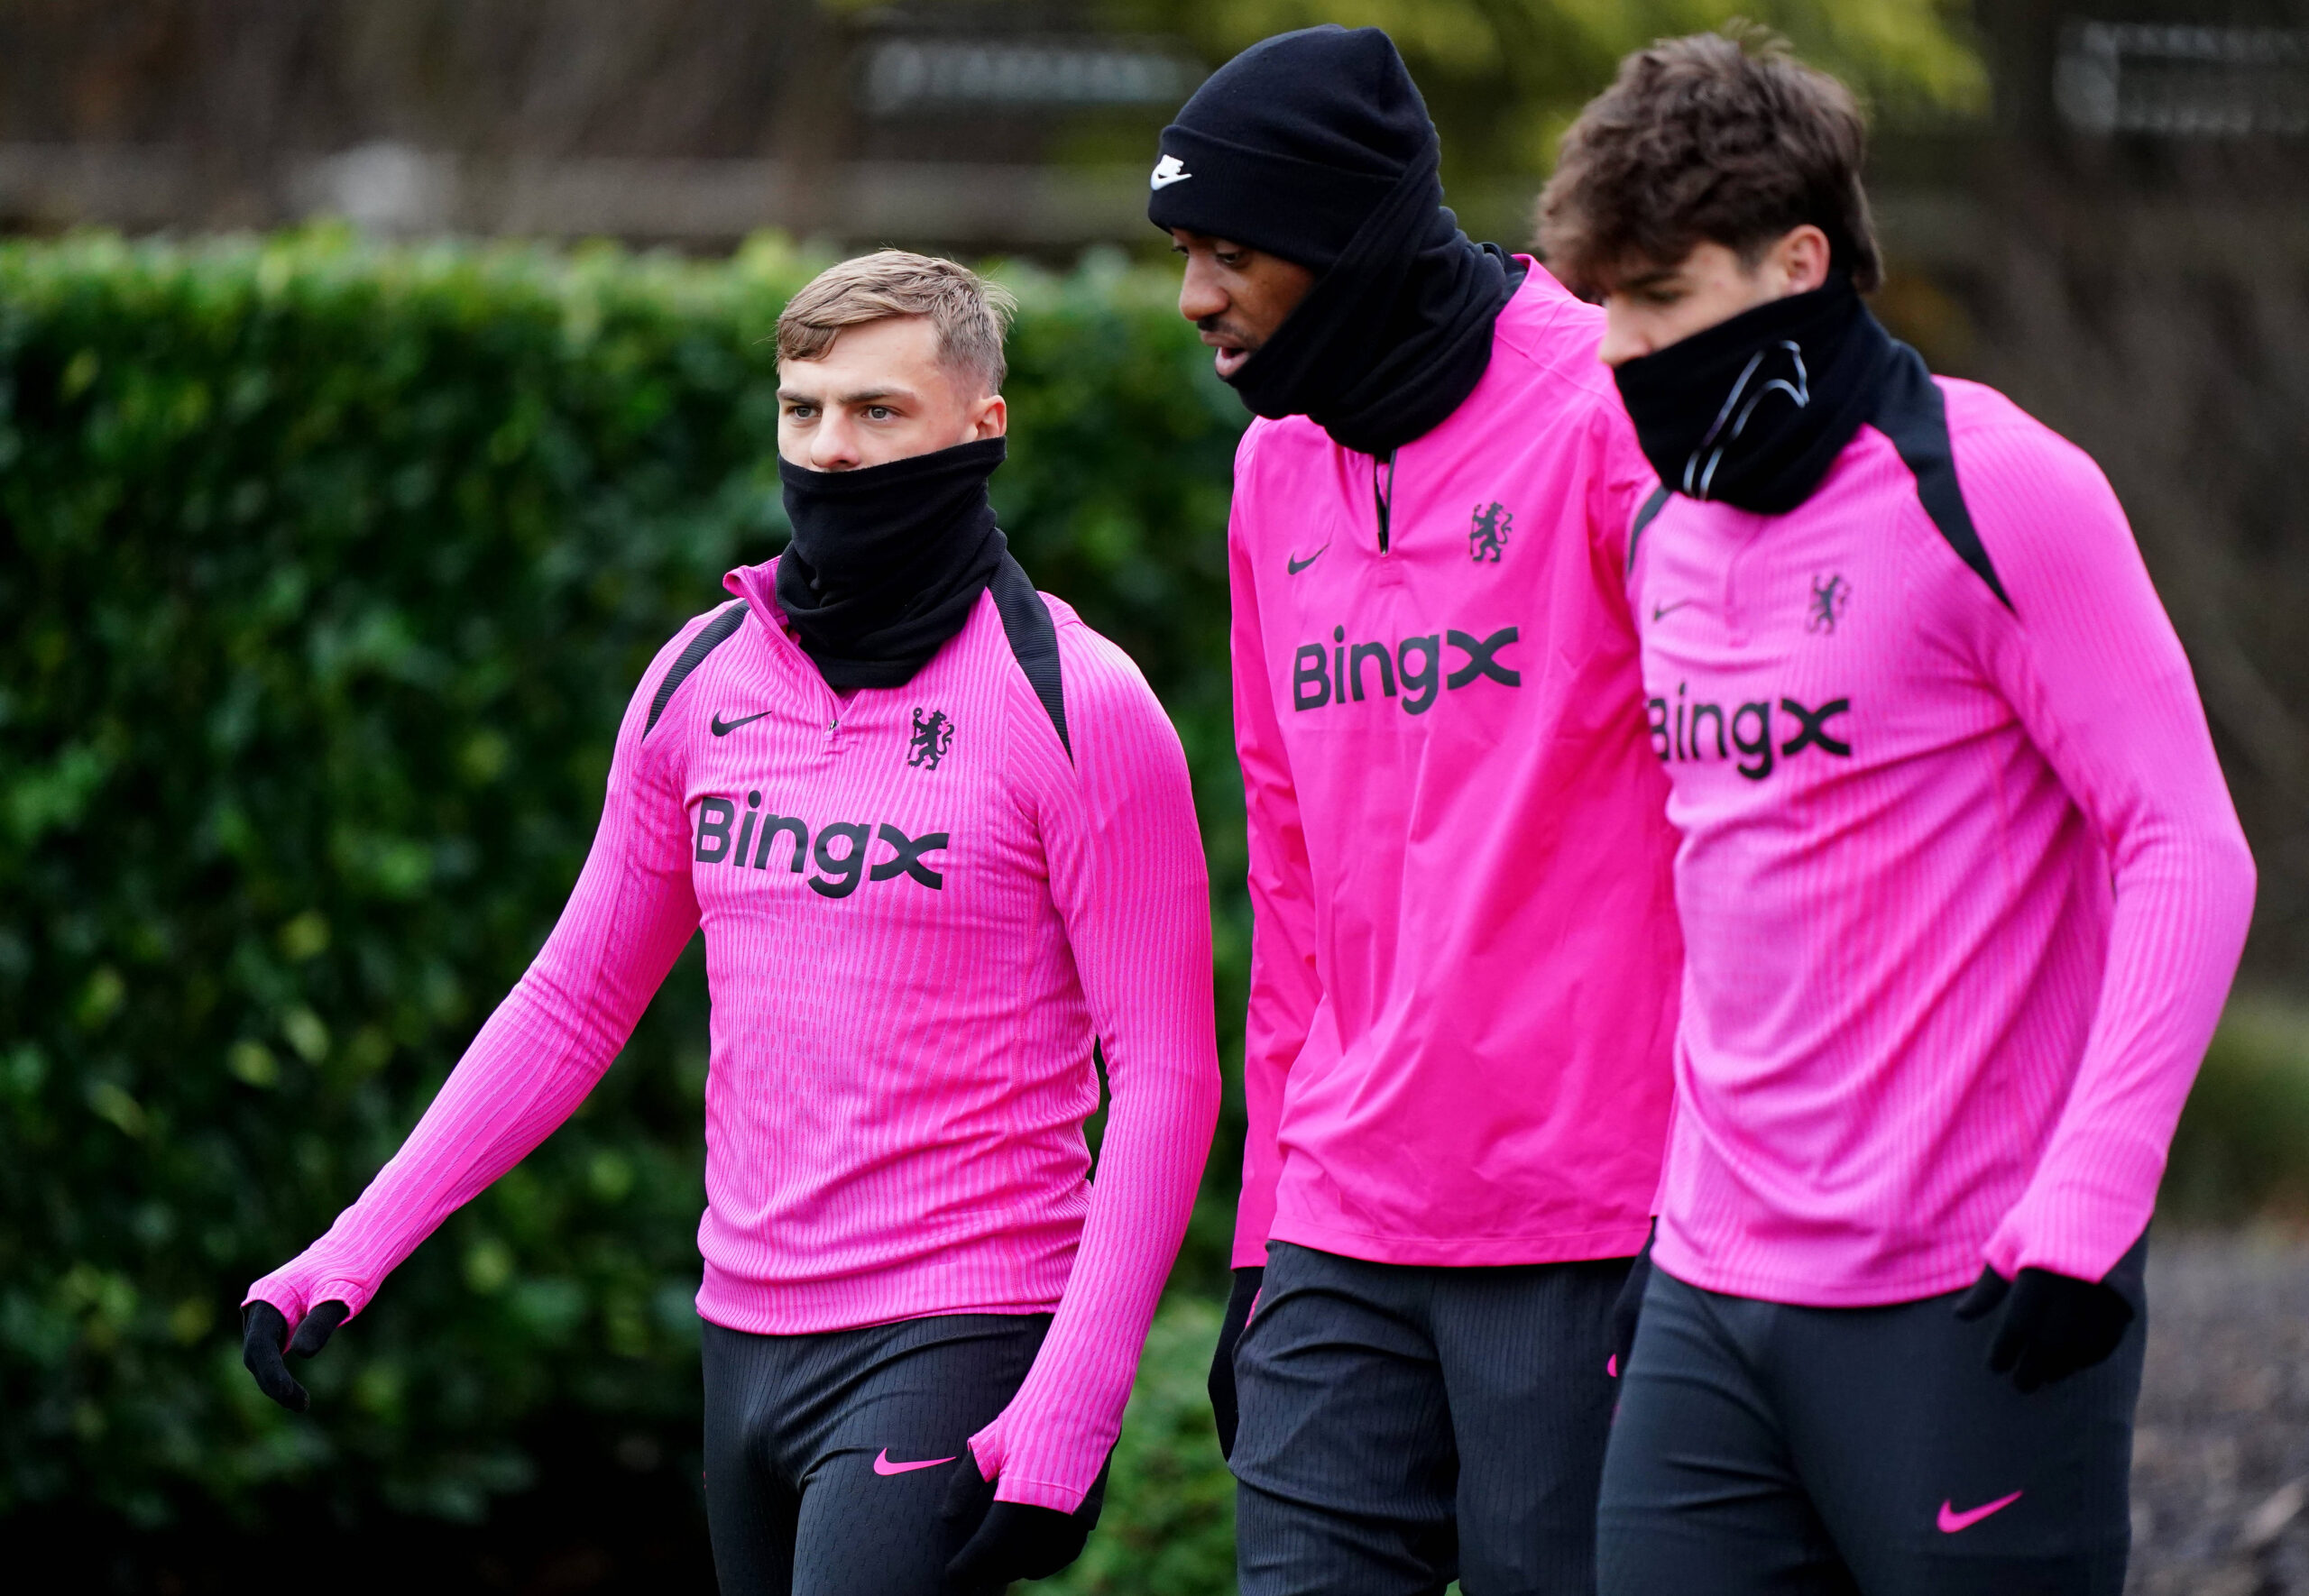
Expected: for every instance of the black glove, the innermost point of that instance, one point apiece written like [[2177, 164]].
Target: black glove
[[1627, 1309], [2052, 1325], [264, 1332], [1013, 1540], [1223, 1406]]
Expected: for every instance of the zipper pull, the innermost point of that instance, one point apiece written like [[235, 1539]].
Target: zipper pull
[[1384, 502]]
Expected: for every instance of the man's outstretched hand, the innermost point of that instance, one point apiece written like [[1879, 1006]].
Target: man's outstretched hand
[[1013, 1540], [2053, 1325], [265, 1336]]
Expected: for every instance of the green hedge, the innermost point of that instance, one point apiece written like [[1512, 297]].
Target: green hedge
[[1169, 1526], [2243, 1148], [327, 571]]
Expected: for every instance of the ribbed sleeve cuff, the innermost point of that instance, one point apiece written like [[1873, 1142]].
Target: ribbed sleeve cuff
[[1051, 1470], [1039, 1493], [2080, 1219], [296, 1297]]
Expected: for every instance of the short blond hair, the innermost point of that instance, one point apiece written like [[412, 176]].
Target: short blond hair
[[972, 314]]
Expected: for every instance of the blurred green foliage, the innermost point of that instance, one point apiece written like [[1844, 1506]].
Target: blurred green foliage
[[2243, 1148], [327, 570], [1169, 1524]]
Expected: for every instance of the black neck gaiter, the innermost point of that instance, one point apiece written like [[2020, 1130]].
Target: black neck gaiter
[[887, 561], [1752, 411], [1396, 334]]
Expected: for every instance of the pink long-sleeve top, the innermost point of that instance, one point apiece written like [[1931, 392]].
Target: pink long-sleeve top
[[920, 911], [1962, 886], [1465, 958]]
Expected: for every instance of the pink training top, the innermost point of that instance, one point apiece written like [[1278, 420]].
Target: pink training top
[[919, 913], [1961, 883], [1465, 958]]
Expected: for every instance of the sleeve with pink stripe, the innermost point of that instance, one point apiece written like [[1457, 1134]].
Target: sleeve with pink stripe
[[1284, 988], [556, 1031], [1127, 877], [2098, 677]]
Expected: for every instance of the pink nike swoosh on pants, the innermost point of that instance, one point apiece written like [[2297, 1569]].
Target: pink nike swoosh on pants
[[883, 1465], [1951, 1522]]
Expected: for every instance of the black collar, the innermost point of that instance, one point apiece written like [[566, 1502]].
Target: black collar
[[1396, 336], [1752, 411], [887, 561]]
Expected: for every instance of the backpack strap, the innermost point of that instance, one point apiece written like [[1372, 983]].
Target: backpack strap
[[1034, 639], [711, 636], [1644, 517], [1912, 413]]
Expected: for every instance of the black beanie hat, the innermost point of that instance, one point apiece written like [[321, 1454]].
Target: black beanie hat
[[1288, 147]]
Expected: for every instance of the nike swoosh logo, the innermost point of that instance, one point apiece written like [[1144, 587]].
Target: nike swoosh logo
[[883, 1465], [1295, 566], [724, 727], [1660, 609], [1951, 1522]]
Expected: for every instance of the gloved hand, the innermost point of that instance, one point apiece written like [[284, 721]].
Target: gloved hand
[[2054, 1324], [1013, 1540], [1627, 1309], [264, 1333], [1223, 1405]]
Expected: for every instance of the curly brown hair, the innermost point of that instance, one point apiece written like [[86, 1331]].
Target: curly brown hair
[[1725, 137]]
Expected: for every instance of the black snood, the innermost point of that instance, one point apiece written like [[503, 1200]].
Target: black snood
[[887, 561], [1391, 340], [1752, 411]]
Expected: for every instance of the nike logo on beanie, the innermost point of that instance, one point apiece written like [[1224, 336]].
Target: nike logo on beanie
[[1294, 144]]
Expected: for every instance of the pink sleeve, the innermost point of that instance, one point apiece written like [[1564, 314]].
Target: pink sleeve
[[1618, 485], [1127, 877], [1619, 481], [2096, 675], [1284, 988], [629, 918]]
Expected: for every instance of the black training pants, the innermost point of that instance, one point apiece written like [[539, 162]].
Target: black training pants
[[1405, 1424], [828, 1457], [1765, 1450]]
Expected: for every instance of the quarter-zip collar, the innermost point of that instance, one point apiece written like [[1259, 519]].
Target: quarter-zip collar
[[758, 586]]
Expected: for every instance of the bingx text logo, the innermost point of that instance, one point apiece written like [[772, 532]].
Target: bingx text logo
[[838, 851], [1757, 734], [1320, 675]]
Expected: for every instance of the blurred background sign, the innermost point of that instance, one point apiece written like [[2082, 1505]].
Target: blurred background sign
[[2174, 80], [939, 72]]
